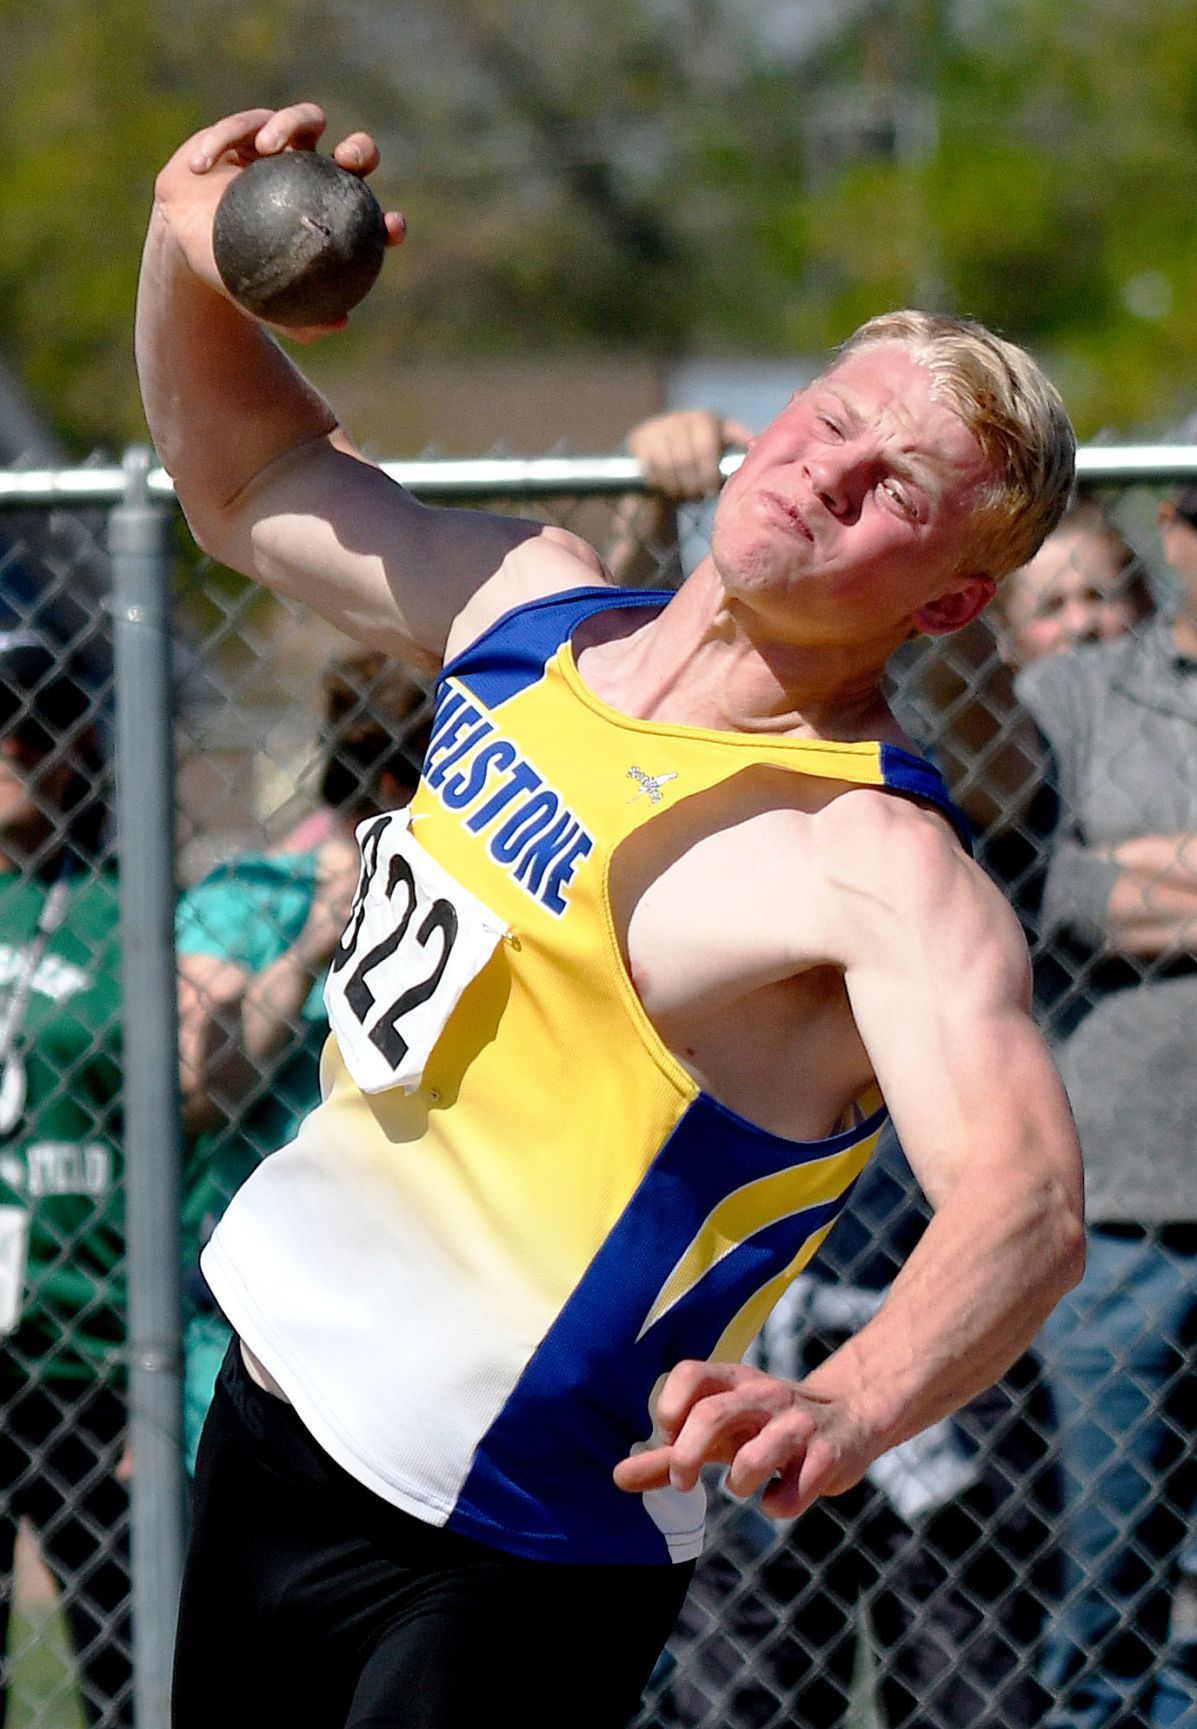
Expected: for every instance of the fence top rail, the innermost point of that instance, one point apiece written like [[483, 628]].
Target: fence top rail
[[537, 477]]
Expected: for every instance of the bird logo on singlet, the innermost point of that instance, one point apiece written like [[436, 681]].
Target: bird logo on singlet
[[649, 784]]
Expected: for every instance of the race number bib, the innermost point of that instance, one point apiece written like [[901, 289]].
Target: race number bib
[[415, 939]]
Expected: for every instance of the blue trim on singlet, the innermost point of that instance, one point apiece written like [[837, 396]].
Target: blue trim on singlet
[[588, 1388], [908, 773], [515, 650]]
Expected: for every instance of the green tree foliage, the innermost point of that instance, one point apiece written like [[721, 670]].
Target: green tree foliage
[[660, 176]]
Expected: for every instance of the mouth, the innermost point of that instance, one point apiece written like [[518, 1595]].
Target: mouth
[[789, 512]]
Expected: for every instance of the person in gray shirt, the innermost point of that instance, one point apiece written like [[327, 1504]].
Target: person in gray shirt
[[1121, 899]]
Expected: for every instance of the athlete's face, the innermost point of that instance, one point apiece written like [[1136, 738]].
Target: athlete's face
[[849, 517]]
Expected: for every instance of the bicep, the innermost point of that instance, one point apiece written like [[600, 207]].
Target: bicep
[[329, 529], [941, 998]]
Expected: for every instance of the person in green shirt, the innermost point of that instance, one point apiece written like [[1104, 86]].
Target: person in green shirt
[[62, 1244]]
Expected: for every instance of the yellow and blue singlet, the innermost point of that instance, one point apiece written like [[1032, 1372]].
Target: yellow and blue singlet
[[471, 1292]]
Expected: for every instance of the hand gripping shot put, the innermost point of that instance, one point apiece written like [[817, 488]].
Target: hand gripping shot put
[[675, 919], [298, 240]]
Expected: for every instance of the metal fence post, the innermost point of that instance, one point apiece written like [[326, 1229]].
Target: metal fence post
[[139, 544]]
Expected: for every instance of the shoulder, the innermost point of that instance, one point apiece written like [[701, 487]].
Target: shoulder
[[904, 888], [547, 563], [872, 831]]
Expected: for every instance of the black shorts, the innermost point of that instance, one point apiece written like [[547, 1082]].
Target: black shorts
[[308, 1601]]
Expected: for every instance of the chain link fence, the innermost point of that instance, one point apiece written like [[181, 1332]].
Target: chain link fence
[[1021, 1563]]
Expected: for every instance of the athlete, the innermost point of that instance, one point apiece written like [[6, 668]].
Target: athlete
[[674, 908]]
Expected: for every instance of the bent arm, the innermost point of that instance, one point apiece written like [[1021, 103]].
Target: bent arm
[[679, 454], [942, 1002], [937, 974], [270, 483]]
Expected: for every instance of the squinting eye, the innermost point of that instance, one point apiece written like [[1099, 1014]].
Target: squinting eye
[[898, 497], [825, 420]]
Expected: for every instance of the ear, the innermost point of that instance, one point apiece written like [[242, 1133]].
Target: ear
[[952, 611]]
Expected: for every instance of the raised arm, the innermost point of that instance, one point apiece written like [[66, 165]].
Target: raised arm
[[270, 483], [937, 974]]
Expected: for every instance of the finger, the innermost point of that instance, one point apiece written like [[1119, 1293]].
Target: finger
[[258, 132], [799, 1486], [779, 1449], [735, 432], [297, 127], [208, 146], [706, 449], [358, 153], [789, 1495], [689, 1381], [826, 1464], [713, 1434], [396, 227], [309, 333], [644, 1471]]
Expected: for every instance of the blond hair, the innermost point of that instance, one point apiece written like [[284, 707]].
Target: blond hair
[[1015, 415]]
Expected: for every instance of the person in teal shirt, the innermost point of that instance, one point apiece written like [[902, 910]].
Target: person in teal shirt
[[254, 938]]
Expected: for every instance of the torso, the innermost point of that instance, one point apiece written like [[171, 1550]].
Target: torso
[[703, 900], [624, 1139], [709, 921]]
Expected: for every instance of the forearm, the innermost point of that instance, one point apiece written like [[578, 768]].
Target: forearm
[[272, 1008], [644, 530], [206, 368], [240, 1038], [971, 1298]]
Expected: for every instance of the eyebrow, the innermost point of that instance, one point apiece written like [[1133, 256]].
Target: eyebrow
[[919, 471]]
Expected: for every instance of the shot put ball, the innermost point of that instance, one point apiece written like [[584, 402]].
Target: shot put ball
[[298, 240]]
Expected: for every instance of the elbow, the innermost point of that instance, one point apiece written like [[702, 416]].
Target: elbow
[[1072, 1254], [1066, 1260], [212, 532]]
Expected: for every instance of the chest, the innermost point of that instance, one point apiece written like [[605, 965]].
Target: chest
[[719, 937], [708, 908]]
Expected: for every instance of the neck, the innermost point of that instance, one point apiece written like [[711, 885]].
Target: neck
[[708, 661]]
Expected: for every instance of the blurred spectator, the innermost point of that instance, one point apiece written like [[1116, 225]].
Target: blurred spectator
[[957, 698], [1121, 898], [255, 938], [1085, 584], [62, 1249]]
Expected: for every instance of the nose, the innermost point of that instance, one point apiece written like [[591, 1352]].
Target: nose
[[831, 474], [1082, 621]]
